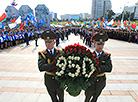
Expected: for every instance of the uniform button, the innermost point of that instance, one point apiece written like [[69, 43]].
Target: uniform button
[[97, 80], [52, 77]]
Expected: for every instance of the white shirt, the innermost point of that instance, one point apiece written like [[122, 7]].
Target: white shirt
[[98, 53], [52, 51]]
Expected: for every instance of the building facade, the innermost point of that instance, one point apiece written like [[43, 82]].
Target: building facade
[[132, 9], [99, 7], [69, 17], [53, 16]]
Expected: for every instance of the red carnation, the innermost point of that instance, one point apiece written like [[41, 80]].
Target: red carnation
[[58, 55], [75, 50], [53, 71], [71, 50], [97, 70], [94, 73], [88, 55], [83, 51], [97, 59], [88, 51], [100, 66], [54, 63], [92, 57], [67, 52], [79, 50]]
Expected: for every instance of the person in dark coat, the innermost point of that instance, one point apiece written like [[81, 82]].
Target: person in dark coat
[[26, 37], [35, 38], [46, 57], [57, 40], [105, 62]]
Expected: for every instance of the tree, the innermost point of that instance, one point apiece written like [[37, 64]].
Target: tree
[[132, 16], [110, 14]]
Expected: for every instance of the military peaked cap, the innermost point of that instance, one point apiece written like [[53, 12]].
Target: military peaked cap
[[49, 36], [100, 38]]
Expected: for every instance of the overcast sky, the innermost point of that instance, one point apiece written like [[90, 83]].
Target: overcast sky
[[66, 6]]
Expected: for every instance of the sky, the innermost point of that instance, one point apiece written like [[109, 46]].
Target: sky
[[62, 7]]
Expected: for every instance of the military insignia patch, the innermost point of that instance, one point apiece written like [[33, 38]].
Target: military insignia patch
[[47, 31], [101, 40], [48, 37]]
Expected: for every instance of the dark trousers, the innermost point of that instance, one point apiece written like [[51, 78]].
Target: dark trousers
[[57, 95], [36, 43], [95, 89]]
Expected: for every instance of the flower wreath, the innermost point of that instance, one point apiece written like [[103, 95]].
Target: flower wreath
[[76, 68]]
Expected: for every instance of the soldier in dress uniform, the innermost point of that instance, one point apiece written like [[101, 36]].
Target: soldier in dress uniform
[[46, 57], [106, 66]]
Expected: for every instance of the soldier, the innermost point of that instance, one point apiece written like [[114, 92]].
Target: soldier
[[26, 37], [106, 66], [36, 38], [45, 60]]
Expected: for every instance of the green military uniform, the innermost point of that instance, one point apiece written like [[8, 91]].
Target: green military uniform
[[106, 66], [45, 64]]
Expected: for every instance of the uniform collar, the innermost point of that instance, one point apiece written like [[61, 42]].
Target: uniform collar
[[98, 53], [52, 51]]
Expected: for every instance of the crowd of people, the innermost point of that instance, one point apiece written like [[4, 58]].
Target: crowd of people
[[13, 37]]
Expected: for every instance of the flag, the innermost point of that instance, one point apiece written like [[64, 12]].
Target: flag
[[110, 23], [3, 17], [15, 22], [3, 25], [103, 19], [13, 3], [21, 27], [114, 24]]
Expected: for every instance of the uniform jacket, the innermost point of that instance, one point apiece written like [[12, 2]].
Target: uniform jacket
[[45, 64], [105, 62]]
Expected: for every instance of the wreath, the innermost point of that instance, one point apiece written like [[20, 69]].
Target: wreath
[[76, 68]]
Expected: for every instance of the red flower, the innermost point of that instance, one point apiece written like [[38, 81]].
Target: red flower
[[83, 51], [83, 48], [71, 50], [53, 71], [79, 50], [88, 55], [58, 55], [97, 70], [100, 66], [97, 59], [76, 44], [92, 57], [75, 50], [54, 64], [94, 73], [67, 52], [88, 50]]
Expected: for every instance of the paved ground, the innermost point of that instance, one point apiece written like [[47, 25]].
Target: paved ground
[[21, 81]]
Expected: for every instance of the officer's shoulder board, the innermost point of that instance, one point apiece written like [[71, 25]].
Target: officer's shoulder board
[[58, 49], [107, 53], [42, 53]]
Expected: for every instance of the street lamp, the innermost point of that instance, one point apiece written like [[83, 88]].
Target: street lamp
[[123, 12]]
